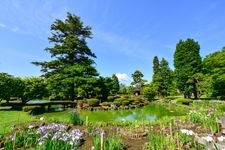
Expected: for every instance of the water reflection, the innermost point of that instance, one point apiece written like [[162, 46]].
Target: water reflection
[[151, 112]]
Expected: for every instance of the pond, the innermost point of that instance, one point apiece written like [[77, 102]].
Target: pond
[[150, 112]]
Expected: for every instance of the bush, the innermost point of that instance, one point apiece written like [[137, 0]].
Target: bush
[[75, 118], [122, 101], [220, 97], [117, 103], [106, 104], [149, 93], [125, 103], [184, 101], [34, 110], [110, 98], [93, 102]]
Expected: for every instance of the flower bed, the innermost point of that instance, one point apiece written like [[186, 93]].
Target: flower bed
[[49, 136]]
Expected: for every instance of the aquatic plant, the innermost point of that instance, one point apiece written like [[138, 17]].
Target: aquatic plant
[[75, 117], [109, 143]]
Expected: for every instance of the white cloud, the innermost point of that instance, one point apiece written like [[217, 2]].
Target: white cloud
[[15, 29], [122, 77], [2, 25]]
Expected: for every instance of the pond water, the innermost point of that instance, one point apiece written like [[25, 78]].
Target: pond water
[[150, 112]]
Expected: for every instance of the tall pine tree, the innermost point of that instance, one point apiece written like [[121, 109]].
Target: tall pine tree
[[72, 64], [187, 63], [166, 75], [156, 79]]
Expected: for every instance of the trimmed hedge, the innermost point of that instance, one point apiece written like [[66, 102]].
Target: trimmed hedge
[[34, 110], [184, 101], [92, 102]]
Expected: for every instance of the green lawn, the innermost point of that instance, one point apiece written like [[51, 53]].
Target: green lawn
[[10, 118], [63, 116]]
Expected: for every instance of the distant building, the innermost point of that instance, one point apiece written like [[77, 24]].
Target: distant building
[[137, 91]]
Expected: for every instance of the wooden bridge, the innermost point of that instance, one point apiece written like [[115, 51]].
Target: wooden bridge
[[40, 103]]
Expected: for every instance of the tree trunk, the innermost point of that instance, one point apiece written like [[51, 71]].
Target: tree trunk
[[72, 92], [195, 90], [87, 94]]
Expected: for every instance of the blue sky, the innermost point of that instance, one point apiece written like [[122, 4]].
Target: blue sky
[[127, 34]]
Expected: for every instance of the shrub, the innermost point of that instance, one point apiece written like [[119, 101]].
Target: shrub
[[75, 118], [106, 103], [220, 97], [149, 93], [93, 102], [34, 110], [125, 103], [184, 101], [110, 98], [117, 103], [122, 101]]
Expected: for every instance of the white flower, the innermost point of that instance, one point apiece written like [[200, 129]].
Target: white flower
[[42, 119], [184, 131], [30, 126], [221, 138], [208, 138], [71, 142], [188, 132]]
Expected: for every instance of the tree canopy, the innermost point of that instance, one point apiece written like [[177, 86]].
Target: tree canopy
[[187, 62], [72, 60], [214, 72]]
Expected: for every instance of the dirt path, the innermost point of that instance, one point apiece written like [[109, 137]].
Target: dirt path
[[130, 144]]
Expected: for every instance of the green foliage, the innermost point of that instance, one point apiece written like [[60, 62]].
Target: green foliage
[[137, 76], [162, 77], [117, 103], [34, 110], [206, 119], [109, 143], [123, 89], [55, 145], [149, 92], [35, 88], [214, 70], [93, 102], [21, 140], [10, 86], [115, 85], [184, 101], [75, 118], [110, 98], [71, 66], [104, 86], [187, 62], [159, 142]]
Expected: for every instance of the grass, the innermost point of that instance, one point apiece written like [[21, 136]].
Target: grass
[[60, 117], [109, 143], [10, 118]]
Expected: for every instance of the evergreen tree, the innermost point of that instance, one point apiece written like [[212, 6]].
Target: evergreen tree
[[71, 65], [156, 79], [187, 63], [162, 77], [115, 84], [166, 75], [156, 69], [137, 76]]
